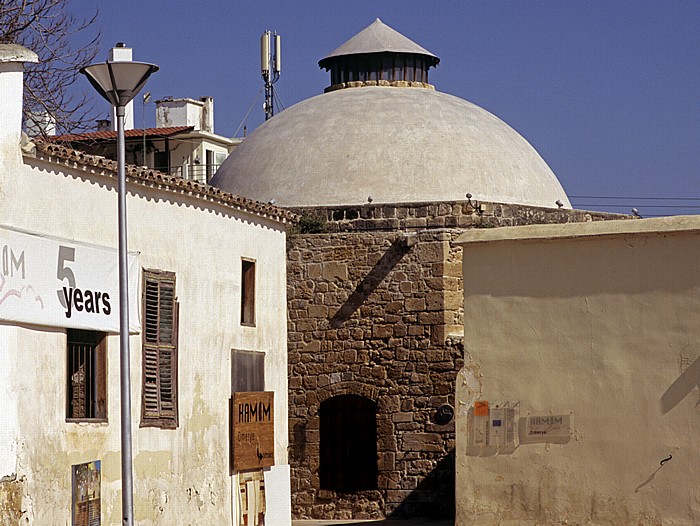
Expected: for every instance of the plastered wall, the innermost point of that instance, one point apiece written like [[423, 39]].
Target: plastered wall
[[181, 476], [603, 331]]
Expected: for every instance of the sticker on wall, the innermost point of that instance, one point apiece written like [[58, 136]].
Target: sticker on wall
[[555, 429], [251, 494], [86, 493], [492, 428], [481, 408]]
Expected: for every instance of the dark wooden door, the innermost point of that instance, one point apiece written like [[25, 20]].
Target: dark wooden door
[[348, 443]]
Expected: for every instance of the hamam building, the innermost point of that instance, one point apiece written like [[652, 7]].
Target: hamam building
[[379, 166]]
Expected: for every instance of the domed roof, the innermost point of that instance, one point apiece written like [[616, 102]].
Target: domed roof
[[394, 144], [381, 131]]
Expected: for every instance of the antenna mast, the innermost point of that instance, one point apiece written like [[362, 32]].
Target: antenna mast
[[270, 65]]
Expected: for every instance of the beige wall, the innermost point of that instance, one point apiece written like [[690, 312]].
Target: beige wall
[[600, 322], [180, 476]]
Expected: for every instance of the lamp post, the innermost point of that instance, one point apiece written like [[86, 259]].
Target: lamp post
[[119, 83]]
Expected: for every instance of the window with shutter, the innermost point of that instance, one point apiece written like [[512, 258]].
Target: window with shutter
[[159, 353], [248, 292]]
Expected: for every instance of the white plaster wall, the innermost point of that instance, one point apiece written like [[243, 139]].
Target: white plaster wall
[[10, 112], [181, 476], [607, 330], [9, 422]]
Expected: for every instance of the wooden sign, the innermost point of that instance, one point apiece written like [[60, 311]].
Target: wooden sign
[[253, 430]]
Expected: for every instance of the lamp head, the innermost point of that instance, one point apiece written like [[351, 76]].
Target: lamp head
[[118, 82]]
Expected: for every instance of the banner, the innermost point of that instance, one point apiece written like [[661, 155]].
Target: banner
[[60, 283]]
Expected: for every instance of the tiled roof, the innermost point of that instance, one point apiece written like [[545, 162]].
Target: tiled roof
[[153, 178], [112, 135]]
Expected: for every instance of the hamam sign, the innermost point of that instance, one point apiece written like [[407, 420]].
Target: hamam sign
[[253, 430], [60, 283]]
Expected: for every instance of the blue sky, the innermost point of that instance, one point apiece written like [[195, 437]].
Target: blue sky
[[607, 92]]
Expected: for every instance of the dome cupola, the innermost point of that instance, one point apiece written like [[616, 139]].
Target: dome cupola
[[379, 56], [385, 139]]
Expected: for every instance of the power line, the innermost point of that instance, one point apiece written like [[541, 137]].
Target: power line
[[635, 198]]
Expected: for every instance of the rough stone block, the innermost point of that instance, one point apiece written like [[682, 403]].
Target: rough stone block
[[402, 417], [317, 311], [415, 304], [429, 442], [334, 270]]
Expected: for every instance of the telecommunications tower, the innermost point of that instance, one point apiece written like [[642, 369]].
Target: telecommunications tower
[[270, 65]]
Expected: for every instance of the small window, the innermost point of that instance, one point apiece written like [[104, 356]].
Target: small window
[[210, 163], [248, 293], [87, 375], [159, 351], [247, 371]]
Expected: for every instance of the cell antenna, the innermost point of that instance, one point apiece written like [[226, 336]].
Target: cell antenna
[[270, 65]]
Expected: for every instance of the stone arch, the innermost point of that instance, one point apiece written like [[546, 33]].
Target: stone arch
[[350, 387]]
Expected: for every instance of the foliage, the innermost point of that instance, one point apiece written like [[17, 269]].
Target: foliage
[[64, 44], [312, 223]]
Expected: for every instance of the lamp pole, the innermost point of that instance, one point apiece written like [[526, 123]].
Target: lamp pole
[[119, 83]]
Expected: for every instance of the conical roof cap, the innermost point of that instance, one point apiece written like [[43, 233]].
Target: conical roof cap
[[378, 38]]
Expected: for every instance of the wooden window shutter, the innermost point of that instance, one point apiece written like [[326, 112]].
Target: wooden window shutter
[[160, 338]]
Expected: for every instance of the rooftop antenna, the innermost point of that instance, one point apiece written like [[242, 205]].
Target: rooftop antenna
[[270, 65]]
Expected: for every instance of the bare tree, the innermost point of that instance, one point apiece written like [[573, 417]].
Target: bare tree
[[64, 44]]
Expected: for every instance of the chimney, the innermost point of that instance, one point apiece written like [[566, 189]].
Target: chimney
[[12, 59], [103, 125], [121, 53], [208, 114]]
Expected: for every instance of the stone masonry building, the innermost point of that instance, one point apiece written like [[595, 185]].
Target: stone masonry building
[[385, 172]]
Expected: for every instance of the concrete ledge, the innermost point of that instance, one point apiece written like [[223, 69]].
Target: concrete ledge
[[661, 225]]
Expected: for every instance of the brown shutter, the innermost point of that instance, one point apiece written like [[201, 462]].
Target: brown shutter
[[159, 385]]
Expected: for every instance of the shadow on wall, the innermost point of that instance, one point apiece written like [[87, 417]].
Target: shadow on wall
[[684, 384], [381, 270], [421, 501]]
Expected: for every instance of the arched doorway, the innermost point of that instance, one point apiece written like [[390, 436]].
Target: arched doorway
[[348, 443]]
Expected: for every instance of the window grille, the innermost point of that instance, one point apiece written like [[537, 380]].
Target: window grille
[[87, 398]]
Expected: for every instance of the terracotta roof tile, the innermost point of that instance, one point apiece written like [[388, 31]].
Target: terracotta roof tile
[[154, 178], [112, 135]]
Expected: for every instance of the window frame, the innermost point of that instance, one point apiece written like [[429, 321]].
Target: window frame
[[248, 292], [99, 377], [157, 352]]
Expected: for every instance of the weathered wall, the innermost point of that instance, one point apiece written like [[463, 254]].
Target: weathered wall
[[368, 315], [181, 476], [375, 298], [604, 328]]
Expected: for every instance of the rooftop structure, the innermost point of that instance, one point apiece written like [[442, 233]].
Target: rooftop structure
[[382, 133]]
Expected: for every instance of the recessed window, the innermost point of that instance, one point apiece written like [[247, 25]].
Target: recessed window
[[348, 444], [159, 351], [87, 375], [248, 292], [247, 371]]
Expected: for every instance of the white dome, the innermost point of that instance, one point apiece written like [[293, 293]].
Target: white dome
[[393, 144]]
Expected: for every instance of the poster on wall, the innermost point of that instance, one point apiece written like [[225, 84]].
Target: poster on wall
[[61, 283], [253, 430], [86, 493], [252, 502]]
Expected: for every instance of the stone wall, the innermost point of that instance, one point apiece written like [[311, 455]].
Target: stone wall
[[375, 308], [448, 214]]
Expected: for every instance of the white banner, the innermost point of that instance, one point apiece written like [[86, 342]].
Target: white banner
[[61, 283]]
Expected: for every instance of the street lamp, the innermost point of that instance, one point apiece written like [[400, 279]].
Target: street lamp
[[119, 82]]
